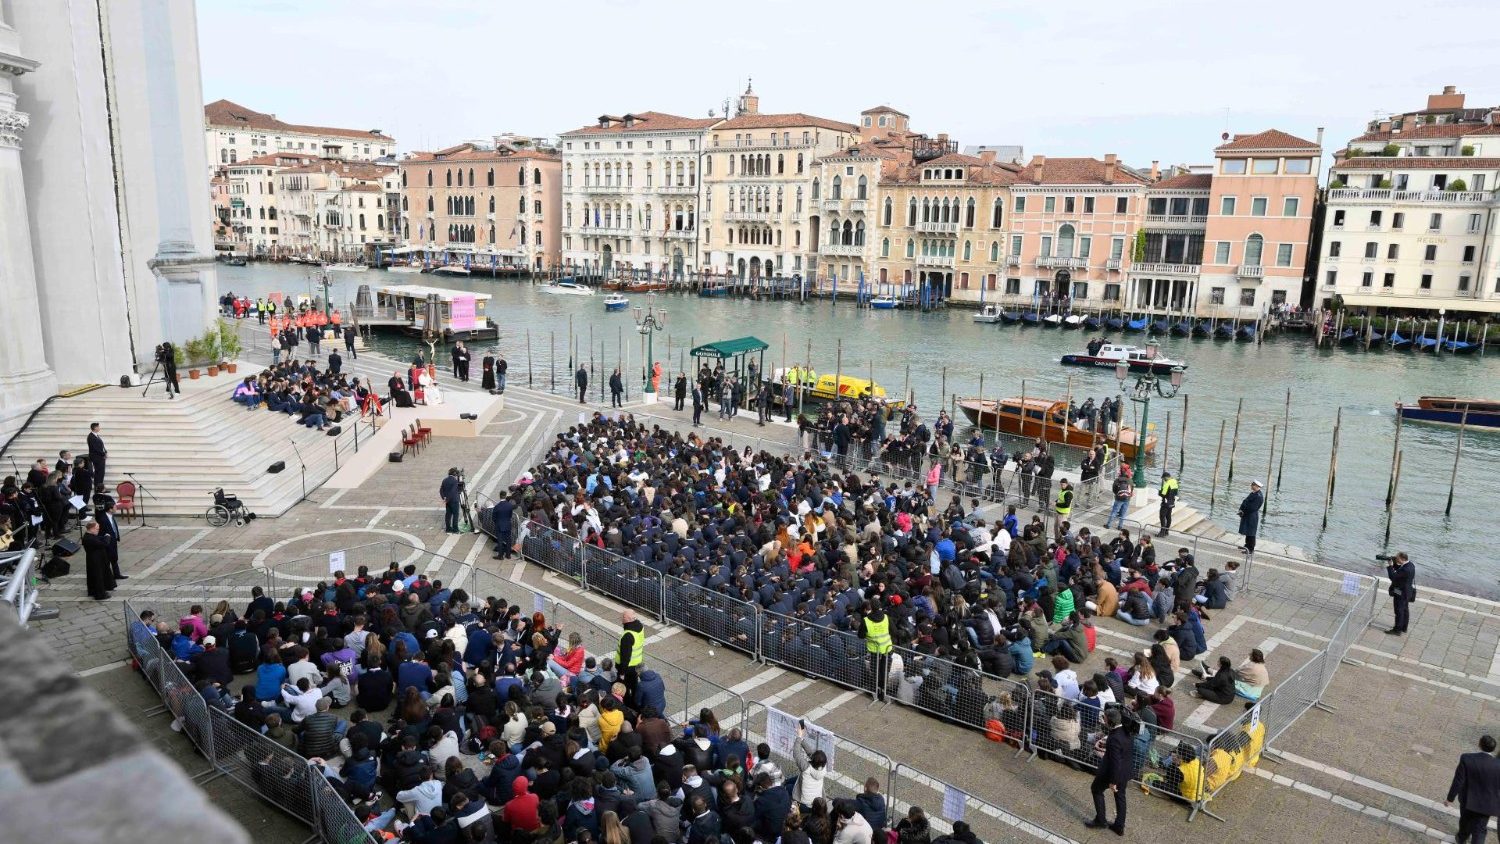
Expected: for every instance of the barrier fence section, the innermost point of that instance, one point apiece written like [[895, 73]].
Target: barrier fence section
[[946, 805], [834, 655], [276, 774], [850, 764], [554, 549], [960, 694], [285, 577], [622, 579], [728, 621]]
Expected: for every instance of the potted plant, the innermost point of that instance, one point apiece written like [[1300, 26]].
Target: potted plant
[[1466, 150], [1391, 150], [1458, 185], [211, 355], [194, 353], [230, 346]]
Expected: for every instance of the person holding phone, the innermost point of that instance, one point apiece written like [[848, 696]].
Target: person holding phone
[[1403, 589]]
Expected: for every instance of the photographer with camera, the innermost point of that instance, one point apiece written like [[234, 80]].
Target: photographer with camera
[[452, 493], [166, 361], [1403, 588]]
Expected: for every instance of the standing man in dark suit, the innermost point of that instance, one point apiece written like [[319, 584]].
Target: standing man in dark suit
[[1250, 516], [349, 342], [581, 381], [679, 391], [1403, 590], [1476, 786], [451, 492], [1113, 773], [104, 514], [97, 455], [616, 389], [697, 403], [335, 362]]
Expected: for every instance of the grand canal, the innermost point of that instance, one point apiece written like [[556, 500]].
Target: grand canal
[[947, 347]]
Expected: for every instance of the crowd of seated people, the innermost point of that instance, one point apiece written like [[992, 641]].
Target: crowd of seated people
[[318, 397], [471, 720]]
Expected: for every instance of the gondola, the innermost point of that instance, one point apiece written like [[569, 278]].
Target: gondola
[[1136, 324], [1160, 326], [1114, 323], [1245, 332], [1349, 336], [1426, 344], [1092, 322], [1010, 317], [1072, 321], [1201, 328], [1224, 331], [1031, 318], [1052, 320], [1460, 347], [1182, 328], [1399, 342]]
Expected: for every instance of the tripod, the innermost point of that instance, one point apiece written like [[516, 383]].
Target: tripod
[[140, 489], [152, 379], [295, 451]]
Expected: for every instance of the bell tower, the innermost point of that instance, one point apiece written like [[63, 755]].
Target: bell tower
[[749, 102]]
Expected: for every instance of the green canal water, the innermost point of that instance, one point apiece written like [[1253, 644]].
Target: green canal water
[[948, 347]]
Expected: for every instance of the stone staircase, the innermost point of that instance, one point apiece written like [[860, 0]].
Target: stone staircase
[[180, 450]]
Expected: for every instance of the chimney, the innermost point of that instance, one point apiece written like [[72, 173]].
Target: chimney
[[1450, 89], [1036, 165], [1110, 166], [987, 156], [1155, 169], [1320, 138]]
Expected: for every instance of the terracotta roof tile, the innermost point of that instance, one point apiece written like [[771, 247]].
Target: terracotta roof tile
[[784, 121], [649, 121], [1077, 171], [469, 152], [1185, 181], [878, 109], [277, 159], [362, 170], [233, 115], [1409, 162], [1435, 130], [1269, 139]]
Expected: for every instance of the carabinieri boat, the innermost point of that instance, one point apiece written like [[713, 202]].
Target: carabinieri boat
[[1446, 410], [616, 302], [1109, 354]]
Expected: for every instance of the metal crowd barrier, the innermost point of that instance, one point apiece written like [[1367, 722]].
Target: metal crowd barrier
[[808, 648], [730, 622], [283, 578], [850, 763], [960, 694], [623, 579], [279, 776], [946, 805]]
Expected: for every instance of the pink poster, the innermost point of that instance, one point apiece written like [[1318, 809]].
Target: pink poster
[[462, 313]]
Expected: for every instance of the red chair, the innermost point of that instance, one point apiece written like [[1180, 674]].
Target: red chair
[[411, 440], [125, 499], [425, 434]]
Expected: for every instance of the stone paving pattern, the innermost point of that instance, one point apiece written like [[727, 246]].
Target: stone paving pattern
[[1374, 769]]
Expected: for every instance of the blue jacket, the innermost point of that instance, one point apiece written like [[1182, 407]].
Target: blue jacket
[[480, 646], [268, 680], [1021, 652], [183, 647], [652, 691]]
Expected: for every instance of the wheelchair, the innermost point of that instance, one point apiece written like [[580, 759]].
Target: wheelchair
[[227, 508]]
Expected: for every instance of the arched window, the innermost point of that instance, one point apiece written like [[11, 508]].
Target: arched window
[[1254, 245], [778, 237], [885, 214], [994, 251], [403, 178], [538, 209], [799, 163], [492, 232], [911, 248], [815, 189], [859, 233], [429, 202], [460, 177], [406, 230], [969, 214], [521, 175], [472, 183], [968, 251], [272, 213], [780, 164], [1065, 241], [860, 187], [489, 180], [567, 215], [997, 214], [536, 177], [429, 181], [567, 177], [731, 231], [521, 205], [926, 211], [885, 247], [778, 199], [838, 188], [492, 204], [911, 212], [449, 174], [404, 204], [797, 237]]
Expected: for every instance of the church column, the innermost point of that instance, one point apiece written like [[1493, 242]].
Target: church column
[[26, 379]]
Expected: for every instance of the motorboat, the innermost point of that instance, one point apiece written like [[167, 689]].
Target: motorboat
[[1052, 320], [1109, 354], [1182, 328], [413, 267], [988, 314], [234, 261], [568, 287], [1046, 419], [616, 302], [1010, 317], [638, 285], [453, 314], [451, 269], [1072, 321], [348, 267], [885, 303], [1447, 410]]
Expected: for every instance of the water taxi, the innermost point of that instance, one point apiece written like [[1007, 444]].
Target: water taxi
[[638, 285], [451, 269], [1447, 410], [1046, 419], [885, 303], [1109, 354], [347, 267], [568, 287], [413, 267], [988, 314], [616, 302], [409, 308]]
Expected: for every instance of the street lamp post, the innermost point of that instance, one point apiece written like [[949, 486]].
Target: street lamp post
[[1146, 384], [654, 319]]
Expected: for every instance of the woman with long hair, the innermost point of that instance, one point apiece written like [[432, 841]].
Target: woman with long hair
[[1142, 679]]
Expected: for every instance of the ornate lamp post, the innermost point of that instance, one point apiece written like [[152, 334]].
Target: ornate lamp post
[[1146, 384], [654, 319]]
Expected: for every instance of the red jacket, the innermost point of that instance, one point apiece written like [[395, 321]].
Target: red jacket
[[572, 660], [521, 812]]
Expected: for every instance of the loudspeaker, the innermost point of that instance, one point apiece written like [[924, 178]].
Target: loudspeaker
[[66, 547], [394, 457], [276, 467], [333, 431], [468, 416]]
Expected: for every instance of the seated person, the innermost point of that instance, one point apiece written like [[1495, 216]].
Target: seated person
[[312, 413], [247, 393], [1217, 687]]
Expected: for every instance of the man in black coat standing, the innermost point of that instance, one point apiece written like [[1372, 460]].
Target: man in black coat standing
[[335, 363], [697, 404], [1403, 589], [1476, 786], [104, 514], [97, 549], [500, 517], [581, 381], [97, 455], [679, 391], [1250, 516], [349, 342], [616, 389], [1113, 773]]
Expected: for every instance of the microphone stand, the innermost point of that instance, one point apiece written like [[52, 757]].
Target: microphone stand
[[141, 488], [304, 468]]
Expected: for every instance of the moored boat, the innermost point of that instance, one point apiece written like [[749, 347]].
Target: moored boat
[[1109, 354], [1245, 332], [451, 269], [1031, 318], [413, 267], [1135, 324], [1072, 321], [1052, 320], [885, 303], [1224, 331], [348, 267], [1426, 344], [1092, 322], [1182, 328], [988, 314], [1160, 326], [1046, 419], [1460, 347], [1114, 323], [638, 285], [1201, 328], [1447, 410], [1010, 317]]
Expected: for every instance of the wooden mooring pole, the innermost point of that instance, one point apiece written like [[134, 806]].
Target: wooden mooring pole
[[1265, 500], [1218, 453], [1463, 423], [1390, 507], [1333, 466], [1286, 424], [1234, 445], [1182, 440]]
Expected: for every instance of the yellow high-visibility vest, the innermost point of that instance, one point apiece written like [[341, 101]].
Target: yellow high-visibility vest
[[878, 635], [637, 649]]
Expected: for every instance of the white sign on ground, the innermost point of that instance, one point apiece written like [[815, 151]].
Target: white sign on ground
[[335, 561], [538, 603], [953, 804], [781, 734], [1351, 584]]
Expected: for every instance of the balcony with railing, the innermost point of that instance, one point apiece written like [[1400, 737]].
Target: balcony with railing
[[681, 234], [1250, 272], [936, 260], [773, 143], [597, 188], [832, 204], [934, 227], [1056, 263], [677, 190], [748, 216], [1113, 264], [1165, 269], [1177, 219], [605, 231], [1012, 260], [1387, 195], [857, 205], [842, 249]]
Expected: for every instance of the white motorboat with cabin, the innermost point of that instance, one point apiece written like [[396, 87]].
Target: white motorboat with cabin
[[988, 314], [568, 287]]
